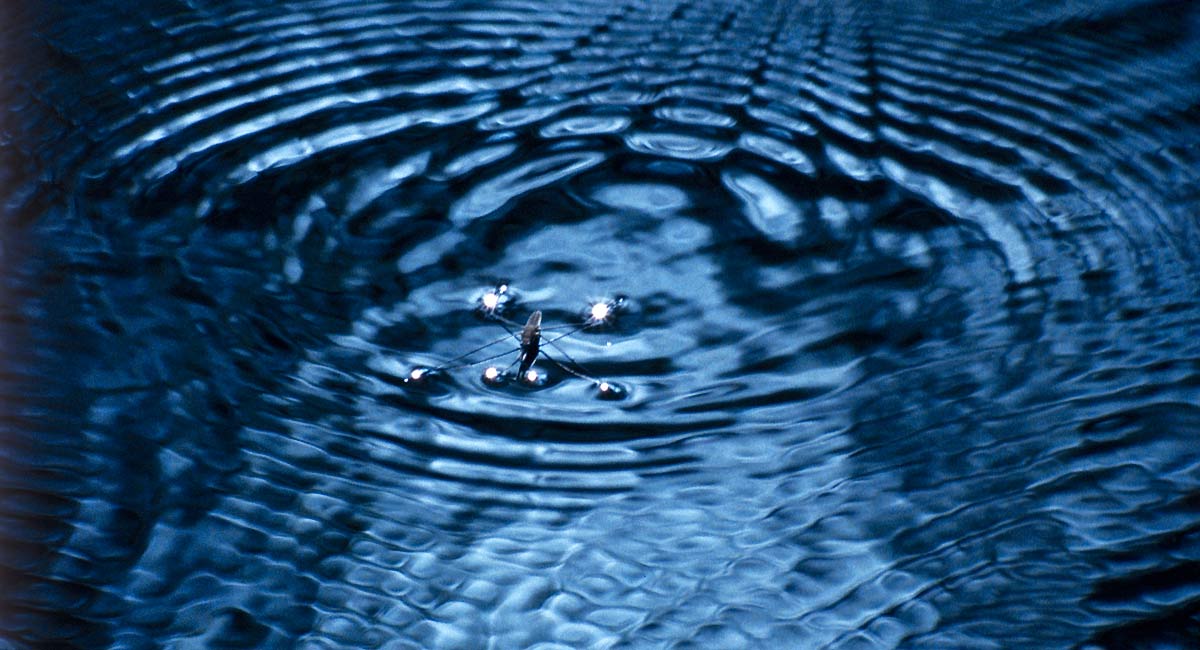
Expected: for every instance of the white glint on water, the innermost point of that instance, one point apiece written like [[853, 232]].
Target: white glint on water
[[600, 312]]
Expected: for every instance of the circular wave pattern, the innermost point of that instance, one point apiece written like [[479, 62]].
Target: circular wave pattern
[[910, 346]]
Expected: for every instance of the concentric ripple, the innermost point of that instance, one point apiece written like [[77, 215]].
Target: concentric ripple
[[911, 338]]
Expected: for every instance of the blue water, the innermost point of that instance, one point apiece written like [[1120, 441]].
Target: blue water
[[910, 343]]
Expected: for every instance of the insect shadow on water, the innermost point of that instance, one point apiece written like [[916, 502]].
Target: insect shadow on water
[[531, 346]]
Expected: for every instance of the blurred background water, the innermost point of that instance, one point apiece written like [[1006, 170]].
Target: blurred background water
[[912, 339]]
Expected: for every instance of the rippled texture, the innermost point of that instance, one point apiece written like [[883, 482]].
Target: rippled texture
[[911, 345]]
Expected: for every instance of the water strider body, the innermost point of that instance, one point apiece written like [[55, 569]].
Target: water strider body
[[531, 340]]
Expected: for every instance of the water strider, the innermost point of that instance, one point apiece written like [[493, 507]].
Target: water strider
[[530, 349]]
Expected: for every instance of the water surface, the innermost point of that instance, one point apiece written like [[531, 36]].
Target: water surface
[[911, 340]]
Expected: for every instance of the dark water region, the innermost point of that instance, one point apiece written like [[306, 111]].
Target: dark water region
[[911, 342]]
